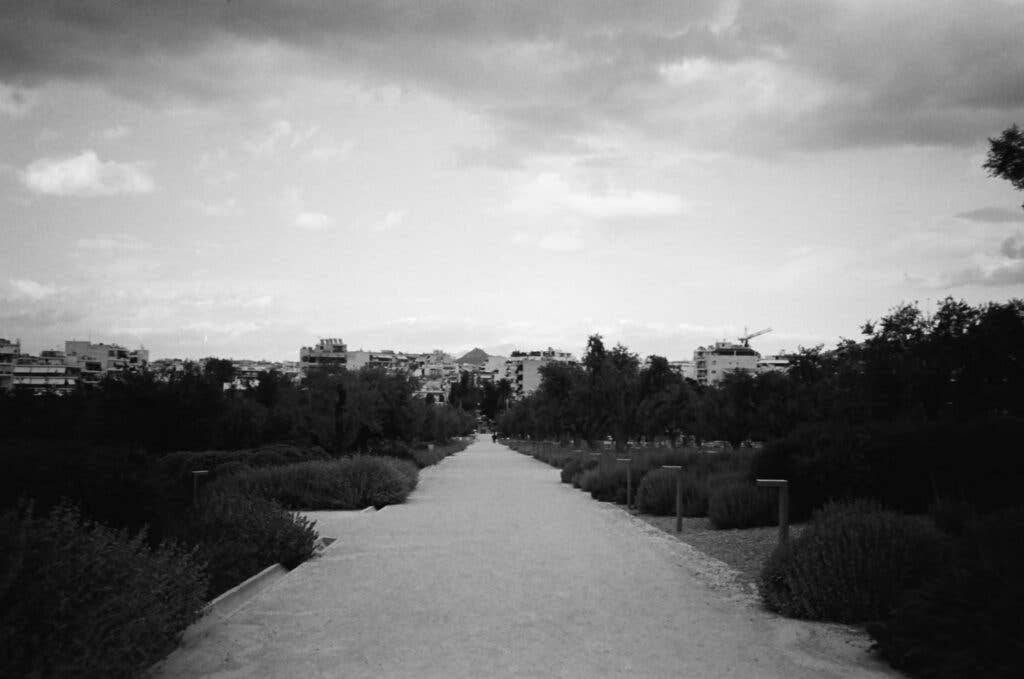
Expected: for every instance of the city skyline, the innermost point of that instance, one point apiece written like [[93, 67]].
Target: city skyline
[[238, 179]]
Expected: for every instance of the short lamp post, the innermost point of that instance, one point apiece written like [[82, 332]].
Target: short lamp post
[[196, 473], [783, 486], [629, 480], [679, 494]]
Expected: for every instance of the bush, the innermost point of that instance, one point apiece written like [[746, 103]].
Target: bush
[[587, 465], [656, 494], [964, 620], [571, 468], [741, 505], [424, 457], [347, 483], [606, 485], [78, 599], [239, 536], [850, 564], [906, 466]]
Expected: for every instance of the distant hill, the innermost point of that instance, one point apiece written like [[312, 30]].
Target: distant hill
[[476, 357]]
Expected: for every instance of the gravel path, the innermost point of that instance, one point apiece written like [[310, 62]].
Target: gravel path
[[495, 569]]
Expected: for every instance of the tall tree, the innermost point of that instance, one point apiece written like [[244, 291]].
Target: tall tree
[[1006, 157]]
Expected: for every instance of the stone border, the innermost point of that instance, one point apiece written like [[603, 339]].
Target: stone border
[[231, 601]]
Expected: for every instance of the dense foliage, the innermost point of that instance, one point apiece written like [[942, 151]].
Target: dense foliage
[[850, 564], [960, 363], [964, 619], [78, 599], [340, 411], [239, 535], [346, 483]]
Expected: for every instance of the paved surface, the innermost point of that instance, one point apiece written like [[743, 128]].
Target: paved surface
[[495, 569]]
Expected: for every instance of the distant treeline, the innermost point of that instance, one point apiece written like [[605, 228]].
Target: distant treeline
[[342, 412], [958, 364]]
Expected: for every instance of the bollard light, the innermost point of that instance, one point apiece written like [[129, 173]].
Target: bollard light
[[629, 479], [679, 494], [783, 486]]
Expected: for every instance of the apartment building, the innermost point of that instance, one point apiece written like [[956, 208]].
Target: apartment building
[[522, 368], [712, 363], [50, 371], [685, 369], [95, 361], [9, 353], [328, 353]]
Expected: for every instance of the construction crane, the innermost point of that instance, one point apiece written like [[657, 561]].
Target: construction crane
[[745, 340]]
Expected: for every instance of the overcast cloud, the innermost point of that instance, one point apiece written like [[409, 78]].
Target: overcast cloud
[[239, 177]]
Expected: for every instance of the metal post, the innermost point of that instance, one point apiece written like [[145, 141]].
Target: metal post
[[783, 486], [679, 495], [629, 480], [196, 473]]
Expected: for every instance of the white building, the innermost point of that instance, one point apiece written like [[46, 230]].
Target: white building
[[95, 361], [522, 369], [9, 353], [713, 363], [685, 369], [49, 372]]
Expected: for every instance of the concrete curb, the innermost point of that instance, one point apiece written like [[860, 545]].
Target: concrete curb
[[231, 601]]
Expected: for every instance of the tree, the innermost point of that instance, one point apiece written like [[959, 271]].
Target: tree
[[1006, 157]]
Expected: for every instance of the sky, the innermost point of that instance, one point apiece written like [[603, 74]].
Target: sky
[[241, 178]]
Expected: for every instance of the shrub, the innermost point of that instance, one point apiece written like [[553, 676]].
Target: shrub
[[964, 620], [656, 494], [239, 536], [347, 483], [424, 457], [571, 468], [587, 465], [850, 564], [741, 505], [606, 485], [80, 599], [906, 466]]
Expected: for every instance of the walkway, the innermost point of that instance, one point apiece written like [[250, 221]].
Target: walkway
[[495, 569]]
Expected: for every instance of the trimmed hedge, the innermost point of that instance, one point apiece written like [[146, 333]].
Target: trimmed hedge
[[238, 536], [656, 494], [850, 564], [78, 599], [347, 483], [964, 620], [742, 505]]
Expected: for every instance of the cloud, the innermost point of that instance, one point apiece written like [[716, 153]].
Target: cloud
[[1000, 276], [15, 101], [29, 289], [112, 243], [280, 134], [86, 175], [313, 221], [115, 132], [227, 207], [549, 193], [391, 220], [1013, 247], [562, 241], [731, 74], [994, 215]]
